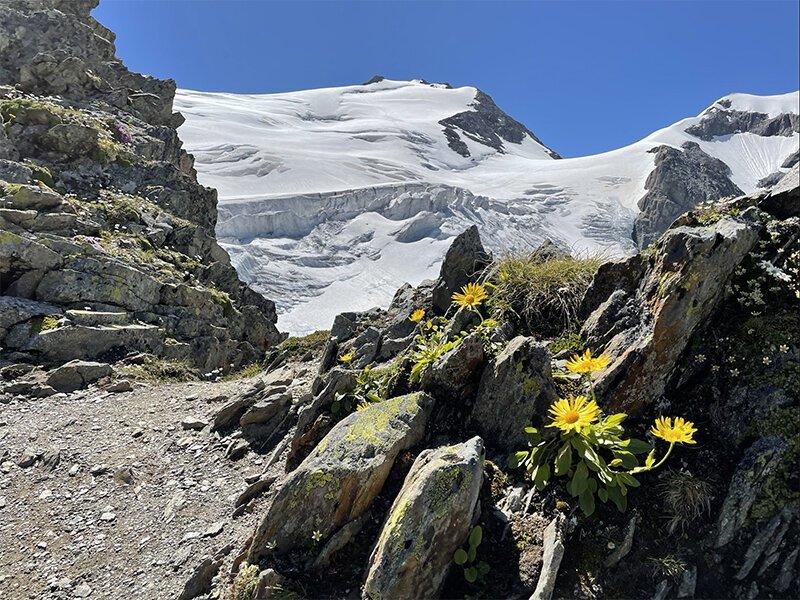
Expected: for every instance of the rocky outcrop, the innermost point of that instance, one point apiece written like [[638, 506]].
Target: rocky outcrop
[[645, 329], [100, 210], [488, 125], [721, 120], [680, 180], [464, 260], [339, 480], [430, 518]]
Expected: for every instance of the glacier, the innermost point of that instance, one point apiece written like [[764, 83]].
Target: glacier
[[330, 199]]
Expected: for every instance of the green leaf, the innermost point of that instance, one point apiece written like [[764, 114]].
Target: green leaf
[[651, 459], [531, 431], [614, 420], [542, 476], [472, 553], [592, 487], [517, 458], [617, 498], [564, 459], [602, 493], [475, 536], [460, 557], [637, 446], [628, 459], [579, 479], [586, 502], [471, 574], [628, 479], [483, 568]]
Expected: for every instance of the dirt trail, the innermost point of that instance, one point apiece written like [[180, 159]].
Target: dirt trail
[[122, 501]]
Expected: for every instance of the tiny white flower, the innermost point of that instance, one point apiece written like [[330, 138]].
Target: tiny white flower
[[317, 535], [766, 360], [735, 372], [784, 348]]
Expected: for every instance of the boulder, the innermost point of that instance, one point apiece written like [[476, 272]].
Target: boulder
[[77, 374], [454, 372], [341, 477], [514, 388], [429, 520], [552, 553], [645, 330], [25, 197]]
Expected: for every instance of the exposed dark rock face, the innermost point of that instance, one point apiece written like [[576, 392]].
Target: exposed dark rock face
[[680, 181], [100, 209], [718, 122], [487, 125], [791, 160]]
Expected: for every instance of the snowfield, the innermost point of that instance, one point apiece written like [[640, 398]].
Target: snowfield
[[332, 198]]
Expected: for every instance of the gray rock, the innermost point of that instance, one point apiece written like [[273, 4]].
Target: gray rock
[[193, 423], [464, 260], [429, 520], [552, 553], [680, 181], [341, 477], [31, 197], [77, 374], [514, 388], [455, 371], [758, 462], [646, 332]]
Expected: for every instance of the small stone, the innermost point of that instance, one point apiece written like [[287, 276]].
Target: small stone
[[193, 423], [108, 517], [215, 529], [73, 470], [45, 494], [99, 469], [82, 591], [2, 501], [27, 459]]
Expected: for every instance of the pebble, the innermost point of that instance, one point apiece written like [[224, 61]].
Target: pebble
[[194, 423], [82, 591], [108, 517]]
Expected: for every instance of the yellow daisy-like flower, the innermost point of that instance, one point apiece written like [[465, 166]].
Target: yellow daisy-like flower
[[347, 357], [681, 431], [362, 406], [586, 363], [573, 413], [471, 295], [417, 315]]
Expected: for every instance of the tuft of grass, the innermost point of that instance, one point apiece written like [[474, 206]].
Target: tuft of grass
[[246, 372], [154, 369], [307, 346], [669, 566], [685, 497], [542, 294]]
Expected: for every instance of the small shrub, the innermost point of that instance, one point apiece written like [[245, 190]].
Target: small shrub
[[245, 372], [245, 584], [541, 294], [429, 346], [372, 385], [474, 570]]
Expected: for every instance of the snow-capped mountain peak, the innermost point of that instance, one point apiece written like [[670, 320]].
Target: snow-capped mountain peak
[[330, 198]]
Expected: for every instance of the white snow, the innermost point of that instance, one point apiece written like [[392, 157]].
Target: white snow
[[330, 199]]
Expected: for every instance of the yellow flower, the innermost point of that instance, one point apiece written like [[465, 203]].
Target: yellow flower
[[586, 363], [346, 358], [362, 406], [573, 413], [471, 295], [681, 432], [417, 315]]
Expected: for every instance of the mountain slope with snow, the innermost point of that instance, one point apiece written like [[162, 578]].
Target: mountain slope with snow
[[331, 198]]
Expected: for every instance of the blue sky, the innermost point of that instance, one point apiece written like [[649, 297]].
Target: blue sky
[[584, 76]]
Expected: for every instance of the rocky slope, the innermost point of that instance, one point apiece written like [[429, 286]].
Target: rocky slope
[[335, 197], [377, 460], [107, 243]]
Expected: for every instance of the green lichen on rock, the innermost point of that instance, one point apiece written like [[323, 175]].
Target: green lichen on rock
[[777, 491]]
